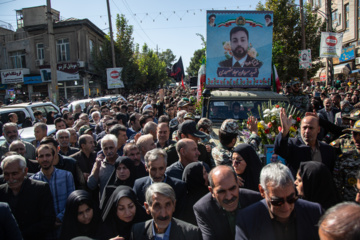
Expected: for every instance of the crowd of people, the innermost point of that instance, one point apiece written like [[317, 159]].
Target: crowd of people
[[146, 168]]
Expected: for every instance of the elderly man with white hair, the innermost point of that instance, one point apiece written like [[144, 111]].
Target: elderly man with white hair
[[30, 201], [280, 215], [104, 164], [160, 204], [63, 138]]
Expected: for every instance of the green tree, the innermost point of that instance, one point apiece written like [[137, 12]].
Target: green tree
[[196, 62], [168, 57], [287, 37], [124, 56], [152, 69], [198, 58]]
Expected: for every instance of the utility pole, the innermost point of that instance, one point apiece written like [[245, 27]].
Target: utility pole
[[111, 35], [303, 41], [54, 94], [329, 62]]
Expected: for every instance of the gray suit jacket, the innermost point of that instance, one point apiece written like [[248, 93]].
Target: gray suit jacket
[[179, 230]]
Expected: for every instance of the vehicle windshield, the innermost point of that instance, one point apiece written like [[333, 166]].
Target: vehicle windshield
[[221, 110]]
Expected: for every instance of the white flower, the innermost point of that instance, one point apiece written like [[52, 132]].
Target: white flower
[[252, 52], [266, 115], [266, 111]]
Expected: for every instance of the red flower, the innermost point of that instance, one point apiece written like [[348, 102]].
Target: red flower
[[298, 119], [277, 106], [267, 131], [269, 125], [247, 122], [279, 128]]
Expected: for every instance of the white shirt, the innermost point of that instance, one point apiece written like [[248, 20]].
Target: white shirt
[[241, 61]]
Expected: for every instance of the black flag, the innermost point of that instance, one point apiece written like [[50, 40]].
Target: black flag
[[177, 71]]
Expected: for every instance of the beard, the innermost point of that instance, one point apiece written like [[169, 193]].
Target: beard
[[239, 52]]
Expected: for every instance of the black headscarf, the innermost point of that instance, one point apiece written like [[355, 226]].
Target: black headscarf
[[251, 175], [196, 189], [112, 226], [193, 177], [113, 180], [318, 184], [71, 226]]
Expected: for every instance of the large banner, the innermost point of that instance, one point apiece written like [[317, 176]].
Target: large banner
[[65, 72], [239, 48], [305, 59], [114, 78], [331, 44]]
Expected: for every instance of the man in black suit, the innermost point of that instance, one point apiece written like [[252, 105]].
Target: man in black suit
[[30, 200], [160, 204], [215, 212], [328, 112], [280, 215], [239, 42], [155, 164]]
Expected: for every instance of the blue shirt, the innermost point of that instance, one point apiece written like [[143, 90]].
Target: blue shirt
[[166, 235], [61, 185]]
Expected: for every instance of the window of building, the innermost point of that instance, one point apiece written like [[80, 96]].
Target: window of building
[[334, 17], [91, 48], [40, 51], [347, 12], [17, 59], [319, 3], [63, 50], [19, 19]]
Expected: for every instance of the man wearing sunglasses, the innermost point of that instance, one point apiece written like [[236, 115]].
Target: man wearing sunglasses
[[280, 215]]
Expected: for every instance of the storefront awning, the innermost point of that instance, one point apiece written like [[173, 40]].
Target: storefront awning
[[342, 69], [355, 71], [319, 72]]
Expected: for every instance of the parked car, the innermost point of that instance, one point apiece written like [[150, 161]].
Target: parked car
[[98, 100], [24, 110], [27, 134]]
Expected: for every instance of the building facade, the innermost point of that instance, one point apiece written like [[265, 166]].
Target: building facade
[[25, 56], [345, 16]]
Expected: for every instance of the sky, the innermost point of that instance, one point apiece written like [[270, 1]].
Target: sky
[[161, 24]]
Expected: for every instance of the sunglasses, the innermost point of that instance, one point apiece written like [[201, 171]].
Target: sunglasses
[[71, 118], [280, 201]]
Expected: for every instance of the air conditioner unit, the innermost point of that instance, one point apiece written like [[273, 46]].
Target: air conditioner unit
[[81, 64], [37, 63], [41, 62], [357, 61]]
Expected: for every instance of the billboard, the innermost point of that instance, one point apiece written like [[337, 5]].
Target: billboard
[[13, 76], [114, 78], [239, 49], [331, 44], [65, 72], [347, 54]]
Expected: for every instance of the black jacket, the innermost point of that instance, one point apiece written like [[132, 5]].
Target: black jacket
[[212, 219], [295, 151], [34, 210]]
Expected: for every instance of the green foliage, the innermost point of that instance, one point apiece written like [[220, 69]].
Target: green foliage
[[152, 69], [168, 57], [198, 58], [287, 37], [140, 70]]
